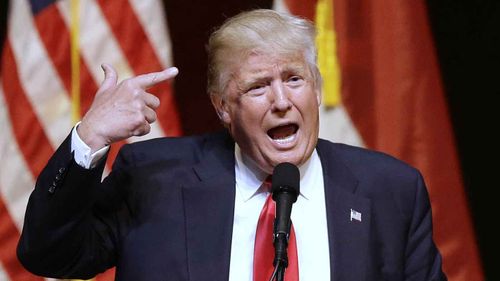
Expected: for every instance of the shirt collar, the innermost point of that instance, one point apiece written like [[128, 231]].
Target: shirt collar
[[249, 177]]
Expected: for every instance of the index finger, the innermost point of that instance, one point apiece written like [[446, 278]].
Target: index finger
[[148, 80]]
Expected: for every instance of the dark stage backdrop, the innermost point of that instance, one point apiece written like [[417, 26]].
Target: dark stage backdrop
[[467, 36]]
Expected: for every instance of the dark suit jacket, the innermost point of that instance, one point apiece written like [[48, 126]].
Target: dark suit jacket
[[166, 213]]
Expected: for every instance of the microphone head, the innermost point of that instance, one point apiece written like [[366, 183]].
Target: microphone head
[[286, 178]]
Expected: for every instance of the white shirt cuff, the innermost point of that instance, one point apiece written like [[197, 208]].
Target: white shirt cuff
[[81, 150]]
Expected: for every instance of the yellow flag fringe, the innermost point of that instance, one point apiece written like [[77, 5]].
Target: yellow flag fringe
[[75, 60], [328, 63]]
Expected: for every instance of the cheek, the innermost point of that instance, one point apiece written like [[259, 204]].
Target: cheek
[[252, 109], [244, 121], [307, 104]]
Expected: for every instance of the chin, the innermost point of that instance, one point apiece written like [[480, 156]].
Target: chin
[[294, 159]]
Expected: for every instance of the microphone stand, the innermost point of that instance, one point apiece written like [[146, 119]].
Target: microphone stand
[[281, 257], [286, 179], [278, 274]]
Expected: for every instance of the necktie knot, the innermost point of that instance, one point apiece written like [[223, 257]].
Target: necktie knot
[[268, 183]]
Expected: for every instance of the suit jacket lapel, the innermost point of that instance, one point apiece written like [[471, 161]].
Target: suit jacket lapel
[[209, 212], [348, 217]]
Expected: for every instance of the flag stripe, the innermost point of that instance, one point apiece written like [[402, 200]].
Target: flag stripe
[[3, 274], [303, 8], [148, 14], [46, 96], [28, 132], [344, 130], [8, 239], [109, 51], [123, 22], [411, 121], [141, 56], [16, 183], [393, 93], [106, 51], [97, 42], [35, 99], [281, 6], [56, 38], [75, 60]]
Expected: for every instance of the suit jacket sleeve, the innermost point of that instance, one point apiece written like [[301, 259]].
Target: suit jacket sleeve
[[68, 230], [423, 261]]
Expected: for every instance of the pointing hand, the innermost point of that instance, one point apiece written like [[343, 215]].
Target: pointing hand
[[121, 110]]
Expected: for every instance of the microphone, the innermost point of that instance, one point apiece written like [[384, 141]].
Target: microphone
[[285, 189]]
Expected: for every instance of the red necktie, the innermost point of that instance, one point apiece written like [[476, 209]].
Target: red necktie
[[264, 250]]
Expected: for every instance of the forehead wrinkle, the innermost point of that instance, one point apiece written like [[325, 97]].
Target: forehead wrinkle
[[294, 68], [264, 73], [260, 72], [251, 77]]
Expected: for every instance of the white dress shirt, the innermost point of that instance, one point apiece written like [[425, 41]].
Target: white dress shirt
[[308, 213], [308, 218], [82, 152]]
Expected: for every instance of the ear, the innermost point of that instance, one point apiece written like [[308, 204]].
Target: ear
[[319, 96], [221, 108]]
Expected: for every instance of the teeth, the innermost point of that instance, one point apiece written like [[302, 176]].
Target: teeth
[[285, 140]]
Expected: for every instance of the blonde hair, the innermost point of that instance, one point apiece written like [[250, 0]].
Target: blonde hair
[[259, 31]]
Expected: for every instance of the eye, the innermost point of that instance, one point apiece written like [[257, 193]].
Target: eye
[[256, 89], [295, 80]]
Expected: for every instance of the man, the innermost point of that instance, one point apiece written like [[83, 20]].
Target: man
[[188, 208]]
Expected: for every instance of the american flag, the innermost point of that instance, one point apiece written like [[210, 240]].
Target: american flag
[[42, 87], [391, 97], [355, 215], [392, 100]]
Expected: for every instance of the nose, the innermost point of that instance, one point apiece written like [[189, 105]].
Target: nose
[[281, 101]]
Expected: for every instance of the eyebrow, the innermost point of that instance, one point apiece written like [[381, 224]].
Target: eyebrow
[[252, 81], [260, 76]]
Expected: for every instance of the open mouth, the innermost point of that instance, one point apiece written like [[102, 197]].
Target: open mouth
[[284, 133]]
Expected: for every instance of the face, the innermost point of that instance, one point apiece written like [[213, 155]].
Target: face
[[271, 108]]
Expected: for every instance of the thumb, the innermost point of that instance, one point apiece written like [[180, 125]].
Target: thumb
[[110, 77]]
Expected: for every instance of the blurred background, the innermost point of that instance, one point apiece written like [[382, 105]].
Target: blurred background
[[418, 80]]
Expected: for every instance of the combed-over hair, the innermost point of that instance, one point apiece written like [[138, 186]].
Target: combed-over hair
[[259, 31]]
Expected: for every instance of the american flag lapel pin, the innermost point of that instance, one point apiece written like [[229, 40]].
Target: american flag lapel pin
[[355, 215]]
